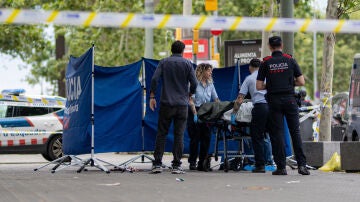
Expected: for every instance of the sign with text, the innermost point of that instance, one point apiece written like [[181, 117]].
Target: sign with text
[[76, 136], [242, 51], [203, 49]]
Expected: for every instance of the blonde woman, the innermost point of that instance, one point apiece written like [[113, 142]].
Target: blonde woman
[[199, 133]]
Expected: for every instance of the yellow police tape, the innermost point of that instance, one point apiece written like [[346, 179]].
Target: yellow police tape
[[22, 100], [124, 20]]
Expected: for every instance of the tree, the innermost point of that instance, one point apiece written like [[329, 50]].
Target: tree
[[78, 39], [115, 46], [334, 10], [327, 75]]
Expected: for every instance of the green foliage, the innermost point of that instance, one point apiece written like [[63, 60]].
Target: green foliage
[[115, 46], [345, 48], [347, 7]]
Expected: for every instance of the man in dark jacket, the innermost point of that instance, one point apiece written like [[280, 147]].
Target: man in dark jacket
[[176, 73], [282, 73]]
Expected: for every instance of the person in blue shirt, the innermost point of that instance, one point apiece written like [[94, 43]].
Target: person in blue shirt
[[259, 138], [199, 133]]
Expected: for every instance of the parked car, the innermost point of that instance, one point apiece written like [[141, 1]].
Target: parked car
[[340, 117], [31, 124]]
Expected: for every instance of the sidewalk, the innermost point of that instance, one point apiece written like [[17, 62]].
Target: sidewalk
[[19, 182]]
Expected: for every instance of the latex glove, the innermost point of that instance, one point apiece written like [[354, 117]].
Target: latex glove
[[152, 104], [195, 118], [233, 119]]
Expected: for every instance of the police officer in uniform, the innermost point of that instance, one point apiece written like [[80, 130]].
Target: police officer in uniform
[[278, 74]]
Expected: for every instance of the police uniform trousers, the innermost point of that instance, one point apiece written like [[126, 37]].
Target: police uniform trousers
[[280, 106]]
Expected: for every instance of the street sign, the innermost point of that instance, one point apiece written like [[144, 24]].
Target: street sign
[[242, 51], [203, 49]]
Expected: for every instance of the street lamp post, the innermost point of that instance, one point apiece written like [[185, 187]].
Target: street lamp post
[[315, 83]]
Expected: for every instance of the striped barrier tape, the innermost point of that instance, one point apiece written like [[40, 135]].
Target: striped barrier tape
[[124, 20], [22, 100]]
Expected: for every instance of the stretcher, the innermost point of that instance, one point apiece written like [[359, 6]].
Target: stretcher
[[239, 132], [225, 131]]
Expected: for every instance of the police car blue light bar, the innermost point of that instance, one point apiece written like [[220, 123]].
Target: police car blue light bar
[[16, 91]]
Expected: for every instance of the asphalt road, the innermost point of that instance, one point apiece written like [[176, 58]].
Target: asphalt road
[[19, 182]]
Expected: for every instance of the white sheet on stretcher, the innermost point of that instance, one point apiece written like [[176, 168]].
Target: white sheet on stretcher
[[243, 114]]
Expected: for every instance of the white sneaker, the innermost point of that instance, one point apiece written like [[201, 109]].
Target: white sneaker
[[156, 169], [177, 170]]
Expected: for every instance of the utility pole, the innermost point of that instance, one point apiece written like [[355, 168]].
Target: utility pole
[[212, 5], [287, 11], [315, 82], [59, 54], [187, 10], [149, 33]]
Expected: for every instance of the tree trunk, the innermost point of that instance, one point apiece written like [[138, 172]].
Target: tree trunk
[[287, 11], [59, 54], [327, 75], [265, 51]]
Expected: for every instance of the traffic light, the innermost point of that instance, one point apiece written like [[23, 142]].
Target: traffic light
[[178, 35], [211, 5]]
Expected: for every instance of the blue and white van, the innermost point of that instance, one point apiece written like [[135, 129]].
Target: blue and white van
[[31, 124]]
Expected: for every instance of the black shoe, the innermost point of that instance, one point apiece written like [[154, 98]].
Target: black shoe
[[279, 172], [207, 165], [200, 168], [192, 166], [207, 169], [303, 170], [259, 169]]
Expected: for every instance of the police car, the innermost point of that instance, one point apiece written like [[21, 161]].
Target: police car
[[31, 124]]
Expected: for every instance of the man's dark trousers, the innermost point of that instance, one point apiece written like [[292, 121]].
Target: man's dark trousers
[[167, 114]]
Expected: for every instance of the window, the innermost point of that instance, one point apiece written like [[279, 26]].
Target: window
[[18, 111], [30, 111], [3, 109]]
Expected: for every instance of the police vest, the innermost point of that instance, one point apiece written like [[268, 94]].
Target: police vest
[[280, 74]]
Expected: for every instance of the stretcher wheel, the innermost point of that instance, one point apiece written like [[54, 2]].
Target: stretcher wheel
[[236, 164]]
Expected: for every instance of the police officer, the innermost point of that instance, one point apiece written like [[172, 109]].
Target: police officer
[[282, 73]]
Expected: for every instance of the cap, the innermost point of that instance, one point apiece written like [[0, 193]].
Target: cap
[[275, 41]]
